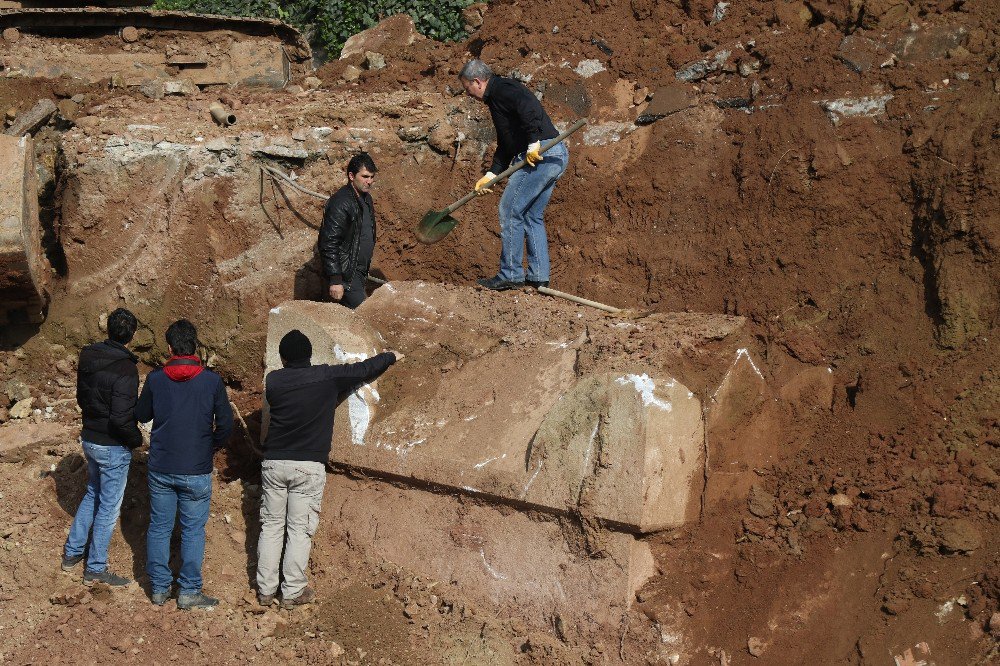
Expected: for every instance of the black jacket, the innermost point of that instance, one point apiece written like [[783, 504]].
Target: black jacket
[[340, 235], [518, 117], [107, 382], [302, 398]]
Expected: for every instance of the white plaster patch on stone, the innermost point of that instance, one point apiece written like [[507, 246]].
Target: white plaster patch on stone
[[493, 572], [646, 387], [389, 288], [472, 417], [471, 489], [532, 480], [944, 610], [276, 310], [358, 410], [587, 68], [489, 460]]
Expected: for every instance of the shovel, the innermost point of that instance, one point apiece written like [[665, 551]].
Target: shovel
[[438, 223]]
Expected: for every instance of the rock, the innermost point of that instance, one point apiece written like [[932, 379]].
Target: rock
[[11, 114], [218, 145], [351, 73], [87, 123], [587, 68], [472, 16], [841, 499], [761, 503], [699, 69], [719, 12], [958, 536], [180, 87], [294, 89], [756, 646], [794, 14], [395, 31], [412, 134], [22, 408], [129, 34], [68, 109], [442, 138], [312, 82], [64, 366], [994, 624], [283, 152], [335, 651], [17, 390], [374, 60], [4, 415], [862, 54], [33, 118], [666, 101], [11, 35], [152, 89], [929, 43]]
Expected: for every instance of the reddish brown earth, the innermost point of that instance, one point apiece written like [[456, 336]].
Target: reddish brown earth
[[868, 246]]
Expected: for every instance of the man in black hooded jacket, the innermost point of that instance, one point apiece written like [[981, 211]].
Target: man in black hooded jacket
[[106, 387], [347, 237]]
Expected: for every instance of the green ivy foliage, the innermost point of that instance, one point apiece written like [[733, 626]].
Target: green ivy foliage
[[328, 23]]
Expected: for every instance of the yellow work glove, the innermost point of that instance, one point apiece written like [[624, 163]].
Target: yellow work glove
[[533, 156], [483, 182]]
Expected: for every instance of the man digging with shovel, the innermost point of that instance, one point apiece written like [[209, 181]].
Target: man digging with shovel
[[521, 125]]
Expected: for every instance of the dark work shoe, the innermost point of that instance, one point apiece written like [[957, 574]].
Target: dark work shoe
[[535, 284], [498, 284], [265, 599], [68, 563], [305, 597], [159, 598], [106, 577], [200, 600]]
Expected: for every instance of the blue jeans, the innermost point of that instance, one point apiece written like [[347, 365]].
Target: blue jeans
[[170, 494], [521, 208], [107, 472]]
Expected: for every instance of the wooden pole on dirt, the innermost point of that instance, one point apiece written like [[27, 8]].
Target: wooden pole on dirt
[[577, 299]]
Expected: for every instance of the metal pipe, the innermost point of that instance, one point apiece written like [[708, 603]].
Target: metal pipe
[[221, 114]]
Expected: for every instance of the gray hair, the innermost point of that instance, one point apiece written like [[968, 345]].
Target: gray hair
[[476, 69]]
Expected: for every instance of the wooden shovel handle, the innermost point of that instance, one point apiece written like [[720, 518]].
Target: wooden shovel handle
[[514, 167]]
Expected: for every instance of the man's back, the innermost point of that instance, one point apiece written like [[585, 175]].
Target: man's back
[[106, 384], [191, 416]]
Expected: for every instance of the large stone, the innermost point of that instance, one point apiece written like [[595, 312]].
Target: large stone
[[32, 119], [497, 557], [666, 101], [24, 270], [394, 32]]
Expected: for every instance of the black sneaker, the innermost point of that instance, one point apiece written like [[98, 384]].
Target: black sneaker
[[68, 563], [498, 284], [159, 598], [199, 600], [535, 284], [106, 577]]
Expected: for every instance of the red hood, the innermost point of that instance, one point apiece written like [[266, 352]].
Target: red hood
[[182, 372]]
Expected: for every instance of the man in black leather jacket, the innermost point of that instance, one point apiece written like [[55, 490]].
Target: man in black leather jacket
[[106, 386], [347, 237]]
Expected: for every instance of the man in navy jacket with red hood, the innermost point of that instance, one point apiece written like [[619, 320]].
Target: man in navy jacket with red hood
[[191, 418]]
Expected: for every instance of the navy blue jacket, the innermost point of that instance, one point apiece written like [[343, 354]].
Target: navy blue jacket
[[191, 418]]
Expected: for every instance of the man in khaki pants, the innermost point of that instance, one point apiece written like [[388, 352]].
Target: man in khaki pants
[[302, 398]]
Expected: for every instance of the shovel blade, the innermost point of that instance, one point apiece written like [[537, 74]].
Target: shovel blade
[[435, 226]]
